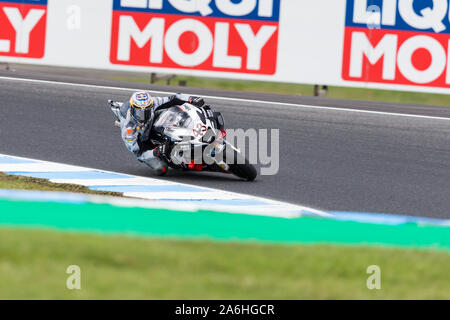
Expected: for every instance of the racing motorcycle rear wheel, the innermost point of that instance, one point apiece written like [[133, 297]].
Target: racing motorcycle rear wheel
[[242, 168]]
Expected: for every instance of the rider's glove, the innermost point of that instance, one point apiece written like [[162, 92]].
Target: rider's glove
[[196, 101], [158, 152], [161, 150]]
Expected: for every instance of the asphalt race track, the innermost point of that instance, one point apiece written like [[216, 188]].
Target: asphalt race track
[[331, 159]]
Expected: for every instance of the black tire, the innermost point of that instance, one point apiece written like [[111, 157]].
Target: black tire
[[244, 170]]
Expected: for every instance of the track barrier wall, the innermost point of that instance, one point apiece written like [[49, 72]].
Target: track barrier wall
[[388, 44]]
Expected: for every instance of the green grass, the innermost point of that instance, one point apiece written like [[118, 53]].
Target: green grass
[[306, 90], [26, 183], [33, 265]]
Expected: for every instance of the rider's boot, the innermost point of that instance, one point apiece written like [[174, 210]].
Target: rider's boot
[[152, 159]]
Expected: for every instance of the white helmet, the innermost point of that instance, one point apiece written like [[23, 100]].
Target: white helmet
[[142, 104]]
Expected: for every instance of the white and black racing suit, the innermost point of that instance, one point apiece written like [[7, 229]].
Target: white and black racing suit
[[137, 136]]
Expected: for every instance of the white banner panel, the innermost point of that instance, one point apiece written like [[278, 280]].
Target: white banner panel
[[390, 44]]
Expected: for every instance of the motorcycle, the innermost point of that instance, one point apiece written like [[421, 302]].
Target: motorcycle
[[193, 138]]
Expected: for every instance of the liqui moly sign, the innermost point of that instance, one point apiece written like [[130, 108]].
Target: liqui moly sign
[[214, 35], [23, 28], [398, 41]]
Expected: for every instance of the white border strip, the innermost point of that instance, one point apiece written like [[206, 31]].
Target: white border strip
[[267, 207]]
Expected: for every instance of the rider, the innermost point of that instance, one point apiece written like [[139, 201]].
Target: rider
[[137, 118]]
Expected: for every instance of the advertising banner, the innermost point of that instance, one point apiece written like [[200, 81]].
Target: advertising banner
[[404, 42], [386, 44], [23, 28], [221, 36]]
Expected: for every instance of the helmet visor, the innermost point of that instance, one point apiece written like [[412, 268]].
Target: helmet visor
[[141, 115]]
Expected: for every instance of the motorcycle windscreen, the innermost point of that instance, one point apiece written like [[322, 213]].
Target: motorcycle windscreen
[[178, 123], [175, 117]]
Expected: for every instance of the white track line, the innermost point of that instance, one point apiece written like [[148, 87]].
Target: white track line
[[185, 196], [107, 182], [39, 167], [229, 99]]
